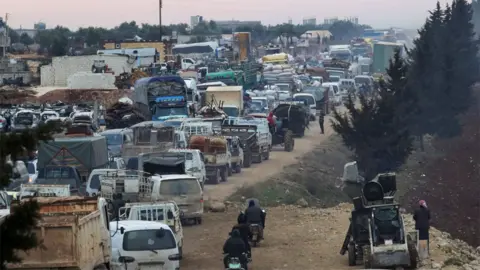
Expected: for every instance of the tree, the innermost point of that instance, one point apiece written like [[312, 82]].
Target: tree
[[476, 16], [26, 39], [16, 231], [377, 131]]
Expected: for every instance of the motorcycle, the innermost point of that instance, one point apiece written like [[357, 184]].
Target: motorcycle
[[255, 234], [234, 264]]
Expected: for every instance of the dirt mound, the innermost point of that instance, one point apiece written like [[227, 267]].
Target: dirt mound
[[314, 179], [106, 97], [449, 182]]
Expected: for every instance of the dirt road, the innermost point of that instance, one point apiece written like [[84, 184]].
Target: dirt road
[[265, 170]]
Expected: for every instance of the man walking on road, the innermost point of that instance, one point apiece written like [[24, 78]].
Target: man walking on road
[[422, 224], [321, 119]]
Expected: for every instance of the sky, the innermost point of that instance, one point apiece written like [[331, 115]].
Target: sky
[[109, 13]]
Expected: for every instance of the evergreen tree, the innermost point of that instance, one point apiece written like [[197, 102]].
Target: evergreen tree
[[377, 131], [464, 70], [16, 231]]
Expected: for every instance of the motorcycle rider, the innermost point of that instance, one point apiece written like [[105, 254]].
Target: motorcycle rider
[[235, 247], [244, 230], [255, 215]]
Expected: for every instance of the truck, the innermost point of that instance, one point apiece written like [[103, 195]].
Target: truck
[[256, 147], [228, 98], [382, 53], [83, 154], [74, 233], [216, 156], [161, 98]]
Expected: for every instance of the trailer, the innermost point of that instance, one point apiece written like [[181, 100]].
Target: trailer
[[74, 232]]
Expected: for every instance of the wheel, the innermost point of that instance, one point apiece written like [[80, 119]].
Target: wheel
[[238, 168], [224, 173], [288, 141], [199, 220], [247, 159], [267, 155], [412, 251], [352, 257], [367, 257], [180, 250], [254, 244], [258, 158], [229, 170], [216, 179]]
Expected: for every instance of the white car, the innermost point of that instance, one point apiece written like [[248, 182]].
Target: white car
[[32, 171]]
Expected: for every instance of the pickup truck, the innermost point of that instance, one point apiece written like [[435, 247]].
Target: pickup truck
[[74, 233], [261, 143], [165, 212], [216, 156]]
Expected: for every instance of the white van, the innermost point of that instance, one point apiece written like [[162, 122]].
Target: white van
[[151, 244], [335, 88], [194, 163], [312, 104], [185, 190]]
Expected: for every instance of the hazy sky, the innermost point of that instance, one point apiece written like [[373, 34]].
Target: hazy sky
[[108, 13]]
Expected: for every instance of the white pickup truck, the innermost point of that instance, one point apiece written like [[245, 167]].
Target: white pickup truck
[[261, 149]]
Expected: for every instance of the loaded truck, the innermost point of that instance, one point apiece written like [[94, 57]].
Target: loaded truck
[[229, 98], [64, 160], [74, 233], [216, 156], [382, 53]]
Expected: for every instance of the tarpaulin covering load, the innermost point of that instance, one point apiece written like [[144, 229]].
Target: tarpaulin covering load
[[87, 152]]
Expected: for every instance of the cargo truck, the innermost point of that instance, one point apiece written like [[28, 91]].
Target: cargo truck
[[382, 53], [229, 98], [74, 232]]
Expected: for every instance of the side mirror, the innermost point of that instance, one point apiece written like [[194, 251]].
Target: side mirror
[[170, 214], [126, 259], [175, 257], [122, 230]]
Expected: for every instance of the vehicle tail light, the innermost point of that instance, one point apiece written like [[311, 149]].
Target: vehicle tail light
[[201, 200]]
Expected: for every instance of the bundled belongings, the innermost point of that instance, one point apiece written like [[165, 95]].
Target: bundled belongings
[[273, 74], [123, 115]]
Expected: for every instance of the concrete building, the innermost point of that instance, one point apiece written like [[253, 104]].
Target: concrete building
[[353, 20], [310, 21], [195, 20], [62, 67], [234, 24]]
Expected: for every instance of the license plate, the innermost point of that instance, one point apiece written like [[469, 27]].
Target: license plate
[[388, 242], [254, 238], [234, 265]]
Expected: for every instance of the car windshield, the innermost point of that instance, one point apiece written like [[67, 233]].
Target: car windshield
[[179, 187], [283, 87], [114, 139], [148, 240], [95, 182], [164, 112], [173, 123], [309, 99]]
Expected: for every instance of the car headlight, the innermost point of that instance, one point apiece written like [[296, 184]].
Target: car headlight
[[30, 180]]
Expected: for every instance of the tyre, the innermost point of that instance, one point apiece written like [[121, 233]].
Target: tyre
[[199, 220], [267, 155], [247, 159], [224, 173], [238, 168], [258, 158], [288, 141], [352, 257], [229, 170], [413, 253], [216, 179]]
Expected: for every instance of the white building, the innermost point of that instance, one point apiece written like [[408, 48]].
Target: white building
[[195, 20]]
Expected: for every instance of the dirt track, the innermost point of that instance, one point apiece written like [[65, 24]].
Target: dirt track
[[278, 160]]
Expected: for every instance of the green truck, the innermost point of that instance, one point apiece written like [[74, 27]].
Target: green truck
[[382, 53]]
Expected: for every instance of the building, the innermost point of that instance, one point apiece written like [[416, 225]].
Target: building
[[353, 20], [310, 21], [234, 24], [290, 21], [195, 20]]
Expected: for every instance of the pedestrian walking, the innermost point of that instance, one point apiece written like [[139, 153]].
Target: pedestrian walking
[[321, 119], [422, 225]]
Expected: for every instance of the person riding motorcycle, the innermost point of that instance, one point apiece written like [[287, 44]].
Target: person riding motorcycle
[[235, 247], [244, 230], [255, 215]]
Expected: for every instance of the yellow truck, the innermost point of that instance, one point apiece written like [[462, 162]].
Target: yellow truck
[[73, 232]]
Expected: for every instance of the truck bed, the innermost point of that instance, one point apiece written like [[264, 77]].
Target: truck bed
[[72, 234]]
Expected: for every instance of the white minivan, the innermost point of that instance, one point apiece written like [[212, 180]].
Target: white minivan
[[151, 244]]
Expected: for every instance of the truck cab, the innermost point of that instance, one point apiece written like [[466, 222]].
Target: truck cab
[[194, 163]]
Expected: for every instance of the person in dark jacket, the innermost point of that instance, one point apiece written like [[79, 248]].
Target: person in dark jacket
[[118, 203], [321, 119], [255, 215], [235, 247], [422, 222], [244, 230]]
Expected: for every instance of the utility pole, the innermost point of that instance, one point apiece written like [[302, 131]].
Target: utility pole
[[160, 5], [5, 35]]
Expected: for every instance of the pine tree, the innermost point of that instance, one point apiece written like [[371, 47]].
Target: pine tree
[[16, 231], [377, 131]]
